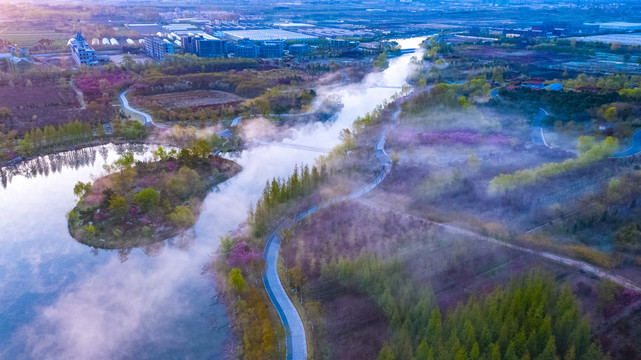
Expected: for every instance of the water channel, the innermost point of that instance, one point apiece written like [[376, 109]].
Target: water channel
[[62, 299]]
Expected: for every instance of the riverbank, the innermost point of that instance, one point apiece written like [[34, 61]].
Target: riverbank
[[176, 299], [352, 169], [98, 142], [240, 262]]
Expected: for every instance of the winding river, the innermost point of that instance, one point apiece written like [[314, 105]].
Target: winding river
[[61, 299]]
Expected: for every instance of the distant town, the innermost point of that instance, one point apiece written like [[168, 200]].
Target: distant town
[[295, 37]]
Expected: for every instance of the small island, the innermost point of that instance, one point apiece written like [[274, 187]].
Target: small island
[[138, 203]]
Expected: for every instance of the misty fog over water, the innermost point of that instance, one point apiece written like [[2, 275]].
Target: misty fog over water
[[60, 299]]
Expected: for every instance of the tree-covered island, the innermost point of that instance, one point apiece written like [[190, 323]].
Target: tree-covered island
[[138, 203]]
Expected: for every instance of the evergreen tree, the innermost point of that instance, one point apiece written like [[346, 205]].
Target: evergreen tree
[[386, 353], [423, 352]]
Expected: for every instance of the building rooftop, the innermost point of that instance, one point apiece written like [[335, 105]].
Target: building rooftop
[[623, 39], [617, 24], [292, 25], [180, 27], [267, 34], [16, 59], [79, 43]]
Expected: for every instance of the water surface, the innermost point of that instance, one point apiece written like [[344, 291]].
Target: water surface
[[62, 299]]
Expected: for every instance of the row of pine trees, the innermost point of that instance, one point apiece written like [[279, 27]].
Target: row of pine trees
[[278, 192], [531, 318]]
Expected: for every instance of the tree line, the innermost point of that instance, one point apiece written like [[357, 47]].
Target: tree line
[[279, 192], [588, 154], [38, 140], [242, 282], [441, 94]]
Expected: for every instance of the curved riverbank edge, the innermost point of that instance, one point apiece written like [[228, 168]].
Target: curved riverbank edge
[[296, 339], [21, 160], [88, 144]]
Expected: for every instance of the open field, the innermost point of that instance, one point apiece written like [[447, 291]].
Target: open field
[[196, 98], [39, 105], [30, 37], [520, 56]]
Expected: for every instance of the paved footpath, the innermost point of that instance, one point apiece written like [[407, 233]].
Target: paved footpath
[[294, 329], [125, 104]]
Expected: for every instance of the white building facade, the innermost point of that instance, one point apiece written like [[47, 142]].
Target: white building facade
[[82, 53]]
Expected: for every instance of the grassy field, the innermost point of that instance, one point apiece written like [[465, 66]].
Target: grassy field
[[31, 37]]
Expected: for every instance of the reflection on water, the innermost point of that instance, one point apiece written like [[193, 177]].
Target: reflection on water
[[60, 299], [55, 163]]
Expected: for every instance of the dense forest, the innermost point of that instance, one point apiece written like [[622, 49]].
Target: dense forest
[[279, 193], [530, 318]]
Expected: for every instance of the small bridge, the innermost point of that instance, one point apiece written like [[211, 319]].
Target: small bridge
[[291, 146]]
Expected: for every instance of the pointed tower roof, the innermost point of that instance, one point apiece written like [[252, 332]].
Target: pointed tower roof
[[79, 38]]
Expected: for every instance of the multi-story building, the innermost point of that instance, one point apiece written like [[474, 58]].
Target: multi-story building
[[272, 49], [158, 48], [203, 46], [81, 52], [298, 49], [247, 51], [189, 44], [341, 45]]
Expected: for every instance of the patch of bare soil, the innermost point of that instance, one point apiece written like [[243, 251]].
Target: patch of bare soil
[[194, 98]]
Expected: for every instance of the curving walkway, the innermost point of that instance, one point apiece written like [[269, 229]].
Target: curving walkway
[[295, 331], [634, 149], [125, 103], [539, 139], [537, 130], [79, 95], [581, 265], [296, 339]]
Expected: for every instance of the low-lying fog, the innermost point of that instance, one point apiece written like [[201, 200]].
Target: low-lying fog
[[60, 299]]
